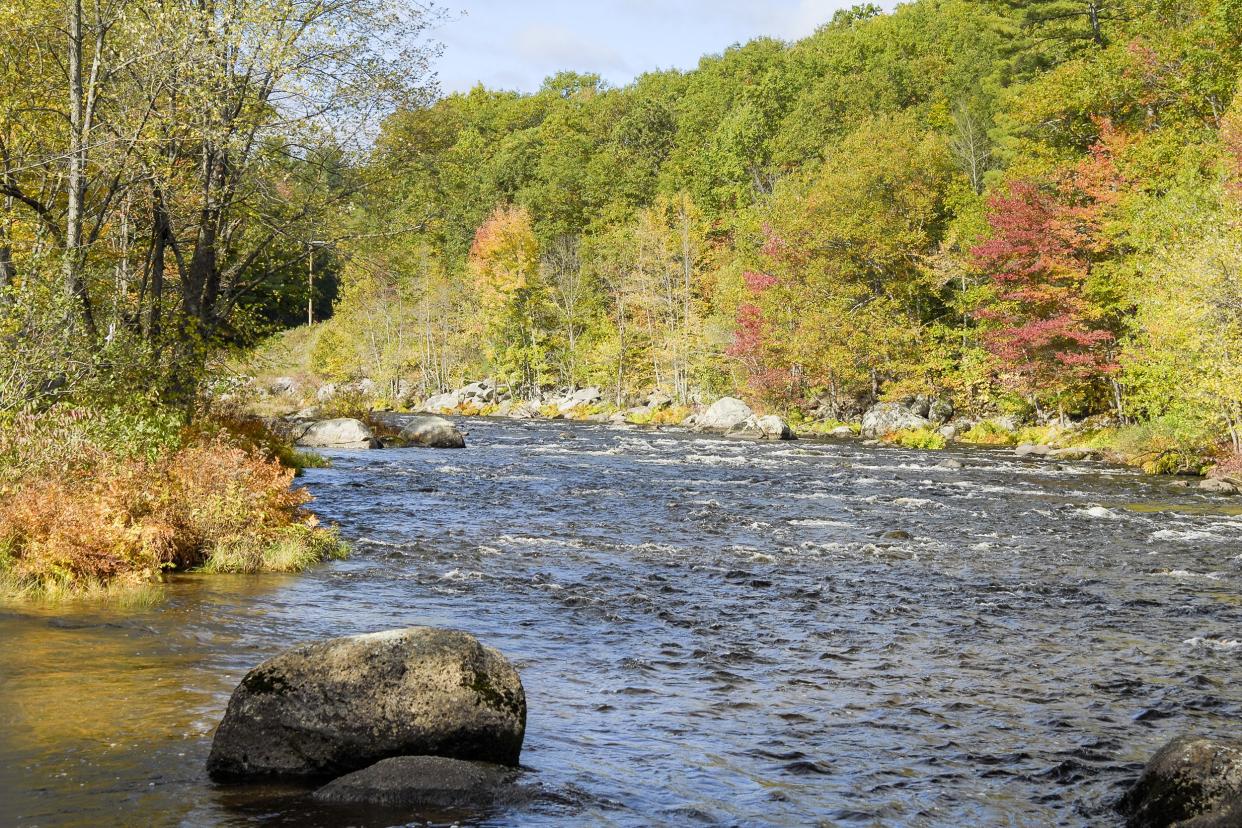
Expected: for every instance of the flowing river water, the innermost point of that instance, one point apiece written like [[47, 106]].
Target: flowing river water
[[710, 632]]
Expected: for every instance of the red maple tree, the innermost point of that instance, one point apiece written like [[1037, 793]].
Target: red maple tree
[[1047, 334]]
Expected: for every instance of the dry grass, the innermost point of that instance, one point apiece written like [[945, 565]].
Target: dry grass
[[103, 519]]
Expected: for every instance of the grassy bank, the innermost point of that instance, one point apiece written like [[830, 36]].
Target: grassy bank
[[105, 501]]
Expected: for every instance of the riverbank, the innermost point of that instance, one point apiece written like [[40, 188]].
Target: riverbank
[[1159, 448], [103, 502]]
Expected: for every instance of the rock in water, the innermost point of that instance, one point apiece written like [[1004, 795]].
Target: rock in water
[[770, 427], [886, 418], [725, 414], [1217, 486], [424, 781], [1189, 782], [342, 433], [336, 706], [432, 432]]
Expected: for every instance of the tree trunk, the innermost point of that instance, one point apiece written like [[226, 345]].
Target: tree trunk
[[8, 273], [1093, 13], [159, 245], [76, 180]]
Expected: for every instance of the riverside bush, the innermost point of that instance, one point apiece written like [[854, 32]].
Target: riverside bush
[[83, 511], [1164, 445], [917, 438], [988, 433]]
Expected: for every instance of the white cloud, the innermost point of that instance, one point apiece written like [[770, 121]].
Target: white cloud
[[557, 45]]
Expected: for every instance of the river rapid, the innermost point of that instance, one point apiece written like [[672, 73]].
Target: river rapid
[[710, 632]]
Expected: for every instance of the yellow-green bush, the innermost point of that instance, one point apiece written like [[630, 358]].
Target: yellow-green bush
[[988, 433], [917, 438]]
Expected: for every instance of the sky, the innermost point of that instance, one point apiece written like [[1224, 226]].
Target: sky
[[515, 44]]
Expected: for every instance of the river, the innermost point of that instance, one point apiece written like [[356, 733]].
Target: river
[[710, 631]]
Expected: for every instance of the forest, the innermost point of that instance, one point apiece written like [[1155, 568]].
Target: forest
[[1023, 206], [1026, 206]]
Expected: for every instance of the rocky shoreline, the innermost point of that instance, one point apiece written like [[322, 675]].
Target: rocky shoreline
[[915, 422]]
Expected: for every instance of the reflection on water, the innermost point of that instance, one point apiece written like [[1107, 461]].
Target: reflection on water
[[710, 631]]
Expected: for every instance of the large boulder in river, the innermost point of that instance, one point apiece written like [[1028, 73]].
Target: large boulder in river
[[426, 782], [724, 414], [1189, 782], [770, 427], [432, 432], [885, 418], [336, 706], [342, 433]]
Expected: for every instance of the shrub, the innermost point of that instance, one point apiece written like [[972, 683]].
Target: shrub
[[82, 513], [255, 433], [826, 426], [1165, 445], [918, 438], [348, 402], [988, 433], [671, 415]]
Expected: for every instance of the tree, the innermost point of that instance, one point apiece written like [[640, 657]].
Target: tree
[[1049, 338], [162, 149], [505, 262], [570, 290]]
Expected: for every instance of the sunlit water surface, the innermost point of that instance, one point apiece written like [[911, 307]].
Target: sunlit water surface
[[710, 632]]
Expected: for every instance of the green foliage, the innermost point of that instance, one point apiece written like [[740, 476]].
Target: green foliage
[[988, 433], [797, 220], [921, 438], [1164, 445]]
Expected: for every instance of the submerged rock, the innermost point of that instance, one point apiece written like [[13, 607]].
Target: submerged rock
[[426, 781], [886, 418], [1189, 782], [724, 414], [343, 433], [432, 432], [1217, 486], [337, 706]]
